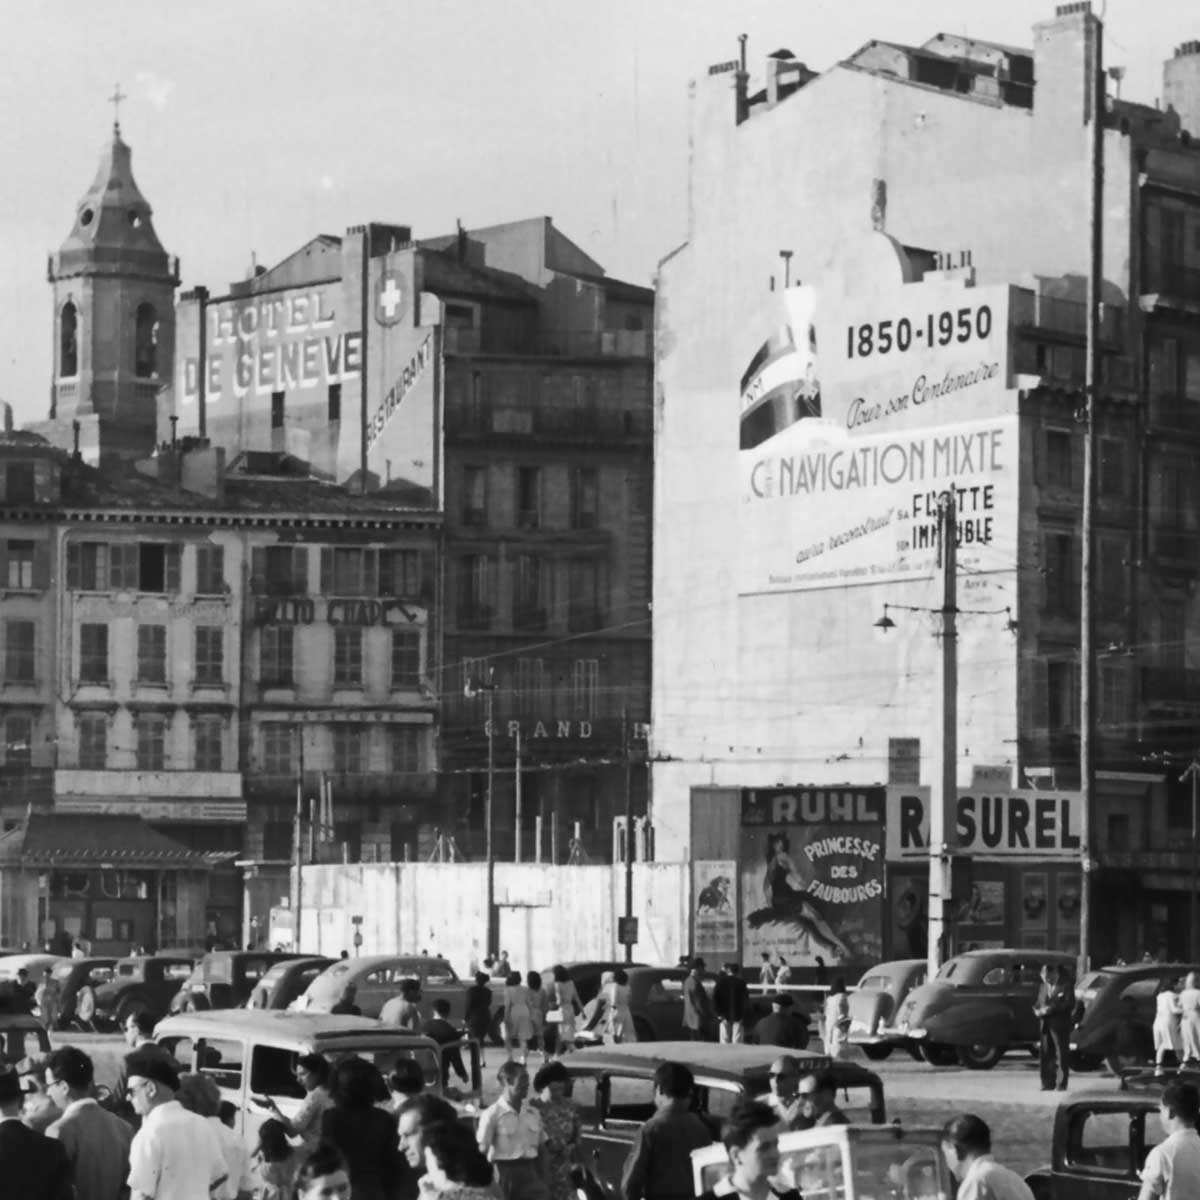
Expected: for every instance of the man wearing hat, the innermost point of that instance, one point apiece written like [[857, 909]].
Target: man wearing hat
[[175, 1154], [782, 1027], [32, 1165]]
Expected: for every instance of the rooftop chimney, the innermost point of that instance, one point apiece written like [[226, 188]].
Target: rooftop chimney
[[741, 83], [1181, 85]]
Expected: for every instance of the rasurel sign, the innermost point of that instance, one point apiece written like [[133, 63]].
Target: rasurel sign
[[1010, 824]]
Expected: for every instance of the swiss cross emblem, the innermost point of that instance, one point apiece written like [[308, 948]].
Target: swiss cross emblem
[[389, 298]]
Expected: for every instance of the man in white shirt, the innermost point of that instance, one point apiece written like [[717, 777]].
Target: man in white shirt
[[175, 1154], [967, 1145], [511, 1136], [1172, 1169]]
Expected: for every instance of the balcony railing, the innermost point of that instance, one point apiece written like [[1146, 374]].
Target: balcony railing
[[584, 343], [591, 423]]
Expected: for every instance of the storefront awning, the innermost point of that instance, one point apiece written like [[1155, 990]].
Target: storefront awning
[[91, 840]]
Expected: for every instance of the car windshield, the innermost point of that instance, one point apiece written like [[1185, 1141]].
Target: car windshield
[[130, 969], [910, 1168]]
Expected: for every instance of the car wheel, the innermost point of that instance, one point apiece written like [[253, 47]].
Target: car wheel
[[877, 1053], [980, 1056], [643, 1030], [937, 1056]]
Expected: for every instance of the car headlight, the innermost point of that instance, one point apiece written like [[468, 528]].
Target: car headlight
[[917, 1032]]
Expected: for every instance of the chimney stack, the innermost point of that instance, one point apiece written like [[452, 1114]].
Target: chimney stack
[[741, 84], [1181, 85]]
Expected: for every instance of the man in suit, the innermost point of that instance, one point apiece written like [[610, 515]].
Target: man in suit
[[1055, 1004], [731, 1001], [697, 1007], [96, 1142], [31, 1165]]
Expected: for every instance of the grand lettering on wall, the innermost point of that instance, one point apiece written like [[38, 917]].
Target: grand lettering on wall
[[812, 874]]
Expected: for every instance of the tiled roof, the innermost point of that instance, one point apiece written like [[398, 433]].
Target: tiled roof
[[88, 839]]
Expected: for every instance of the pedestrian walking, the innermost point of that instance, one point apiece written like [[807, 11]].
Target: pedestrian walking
[[323, 1175], [731, 1001], [502, 968], [365, 1136], [619, 1018], [1189, 1020], [837, 1020], [96, 1141], [512, 1137], [200, 1095], [404, 1010], [566, 999], [563, 1125], [49, 998], [783, 972], [33, 1166], [175, 1154], [445, 1033], [478, 1014], [1167, 1014], [313, 1074], [751, 1138], [783, 1098], [967, 1146], [26, 990], [539, 1006], [766, 973], [1172, 1168], [697, 1007], [274, 1163], [782, 1026], [659, 1166], [816, 1095], [821, 975], [415, 1119], [518, 1020], [1055, 1004], [455, 1167]]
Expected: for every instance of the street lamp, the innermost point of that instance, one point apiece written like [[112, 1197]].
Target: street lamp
[[473, 689]]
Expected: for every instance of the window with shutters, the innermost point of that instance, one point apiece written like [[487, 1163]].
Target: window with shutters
[[349, 571], [531, 604], [20, 483], [87, 566], [93, 741], [19, 652], [280, 570], [278, 748], [1060, 573], [585, 498], [210, 654], [18, 740], [406, 574], [406, 659], [150, 733], [93, 653], [20, 564], [1112, 592], [1113, 474], [210, 570], [531, 687], [276, 645], [405, 747], [583, 612], [1062, 695], [1057, 464], [585, 687], [348, 742], [347, 657], [529, 497], [474, 496], [476, 599], [208, 735], [152, 654]]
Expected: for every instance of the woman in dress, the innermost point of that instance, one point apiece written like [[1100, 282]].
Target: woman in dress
[[455, 1167], [620, 1019], [1189, 1021], [1166, 1024], [312, 1073], [518, 1020], [561, 1122], [837, 1020], [364, 1135], [539, 1006], [595, 1012], [566, 999]]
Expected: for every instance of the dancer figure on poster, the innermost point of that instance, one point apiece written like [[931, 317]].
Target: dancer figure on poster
[[788, 901]]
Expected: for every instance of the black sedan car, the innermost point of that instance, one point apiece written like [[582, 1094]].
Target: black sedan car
[[79, 978], [285, 981]]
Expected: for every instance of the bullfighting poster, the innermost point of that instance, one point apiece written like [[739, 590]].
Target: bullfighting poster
[[714, 912], [812, 866]]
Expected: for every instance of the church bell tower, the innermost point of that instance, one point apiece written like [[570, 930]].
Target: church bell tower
[[114, 318]]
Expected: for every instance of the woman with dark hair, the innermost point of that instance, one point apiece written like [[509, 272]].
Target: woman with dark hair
[[274, 1162], [788, 901], [323, 1176], [561, 1122], [478, 1015], [455, 1167], [620, 1019], [566, 1000], [751, 1137], [518, 1021], [312, 1073], [364, 1134]]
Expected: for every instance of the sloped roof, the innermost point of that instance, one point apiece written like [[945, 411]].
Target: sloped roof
[[444, 274], [89, 839]]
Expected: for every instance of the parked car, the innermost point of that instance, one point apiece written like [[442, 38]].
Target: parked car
[[614, 1088], [1118, 1014], [1100, 1143], [850, 1162], [35, 964], [979, 1006], [143, 983], [378, 977], [286, 981], [79, 978], [880, 992], [225, 979], [250, 1054], [22, 1036]]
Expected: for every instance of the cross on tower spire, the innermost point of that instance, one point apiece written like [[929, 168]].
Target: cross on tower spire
[[115, 100]]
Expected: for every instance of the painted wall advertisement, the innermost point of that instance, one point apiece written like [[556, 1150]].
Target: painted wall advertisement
[[714, 913], [844, 453], [812, 867]]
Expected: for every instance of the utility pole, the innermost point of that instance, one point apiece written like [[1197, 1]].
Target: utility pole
[[946, 791], [1193, 773], [298, 840], [473, 688], [628, 828], [1087, 666], [517, 799]]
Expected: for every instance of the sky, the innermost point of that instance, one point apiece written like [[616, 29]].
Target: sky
[[256, 124]]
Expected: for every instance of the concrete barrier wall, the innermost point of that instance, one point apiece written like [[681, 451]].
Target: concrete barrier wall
[[546, 913]]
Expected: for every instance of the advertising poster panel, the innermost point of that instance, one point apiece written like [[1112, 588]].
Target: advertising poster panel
[[812, 869], [844, 452], [714, 914]]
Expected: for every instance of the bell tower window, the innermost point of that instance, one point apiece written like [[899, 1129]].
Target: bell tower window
[[145, 343], [68, 340]]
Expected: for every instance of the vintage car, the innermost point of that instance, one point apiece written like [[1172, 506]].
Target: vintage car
[[1100, 1143], [378, 977], [143, 983], [22, 1037], [225, 979], [587, 976], [849, 1162], [79, 978], [614, 1088], [979, 1005], [250, 1054], [879, 993], [285, 981], [1118, 1014]]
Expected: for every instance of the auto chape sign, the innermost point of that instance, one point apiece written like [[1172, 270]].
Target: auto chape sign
[[856, 416]]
